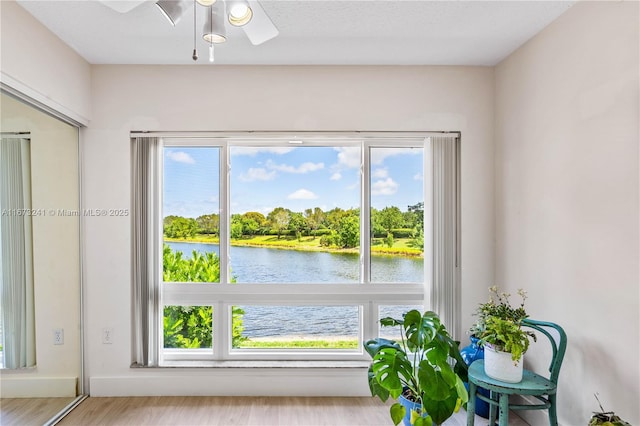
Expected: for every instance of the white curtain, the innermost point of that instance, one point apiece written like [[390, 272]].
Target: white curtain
[[16, 255], [146, 170], [445, 288]]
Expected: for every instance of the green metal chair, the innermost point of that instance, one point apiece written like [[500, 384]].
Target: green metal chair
[[542, 388]]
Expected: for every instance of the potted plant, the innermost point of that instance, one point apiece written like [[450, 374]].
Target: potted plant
[[606, 418], [423, 370], [499, 328]]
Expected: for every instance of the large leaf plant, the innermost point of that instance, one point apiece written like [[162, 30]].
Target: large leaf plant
[[424, 366]]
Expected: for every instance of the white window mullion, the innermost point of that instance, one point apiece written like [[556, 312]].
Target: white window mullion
[[365, 215], [225, 217], [427, 222], [370, 320], [221, 331], [226, 336]]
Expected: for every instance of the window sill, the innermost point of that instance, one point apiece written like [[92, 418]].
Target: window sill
[[259, 364]]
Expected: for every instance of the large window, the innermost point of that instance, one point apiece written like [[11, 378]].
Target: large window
[[288, 249]]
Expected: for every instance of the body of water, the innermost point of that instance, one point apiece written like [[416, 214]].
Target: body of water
[[268, 265]]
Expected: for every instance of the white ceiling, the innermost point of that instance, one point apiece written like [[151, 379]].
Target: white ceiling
[[380, 32]]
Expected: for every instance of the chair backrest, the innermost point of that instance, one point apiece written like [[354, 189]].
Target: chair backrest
[[558, 343]]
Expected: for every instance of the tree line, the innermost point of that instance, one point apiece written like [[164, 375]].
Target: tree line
[[336, 227]]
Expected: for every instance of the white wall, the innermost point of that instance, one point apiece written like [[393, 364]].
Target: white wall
[[187, 98], [37, 63], [567, 189]]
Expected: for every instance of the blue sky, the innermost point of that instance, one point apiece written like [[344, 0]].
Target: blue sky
[[296, 178]]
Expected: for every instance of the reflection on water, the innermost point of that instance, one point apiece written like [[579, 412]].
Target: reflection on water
[[298, 321]]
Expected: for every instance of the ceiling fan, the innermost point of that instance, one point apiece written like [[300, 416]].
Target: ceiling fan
[[246, 14]]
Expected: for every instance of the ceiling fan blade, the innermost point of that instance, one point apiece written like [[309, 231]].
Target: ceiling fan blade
[[122, 6], [260, 28]]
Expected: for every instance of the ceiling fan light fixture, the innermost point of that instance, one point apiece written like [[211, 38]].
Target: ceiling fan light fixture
[[206, 3], [214, 30], [240, 13], [173, 10]]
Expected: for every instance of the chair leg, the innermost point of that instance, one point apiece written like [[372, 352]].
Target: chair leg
[[471, 404], [553, 415], [504, 410], [492, 408]]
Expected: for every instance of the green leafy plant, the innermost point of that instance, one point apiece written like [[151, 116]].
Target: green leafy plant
[[192, 326], [424, 366], [606, 418], [507, 336], [500, 324]]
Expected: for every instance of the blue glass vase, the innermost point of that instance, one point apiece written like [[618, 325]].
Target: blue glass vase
[[469, 354]]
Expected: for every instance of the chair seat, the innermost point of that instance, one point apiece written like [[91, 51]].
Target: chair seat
[[531, 384]]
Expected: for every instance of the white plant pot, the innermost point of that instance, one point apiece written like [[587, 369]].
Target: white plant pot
[[499, 365]]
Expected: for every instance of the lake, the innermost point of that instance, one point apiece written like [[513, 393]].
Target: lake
[[267, 265]]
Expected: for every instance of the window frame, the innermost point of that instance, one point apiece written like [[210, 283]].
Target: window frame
[[365, 294]]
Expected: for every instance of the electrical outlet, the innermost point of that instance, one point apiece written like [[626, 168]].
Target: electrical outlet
[[58, 336], [107, 336]]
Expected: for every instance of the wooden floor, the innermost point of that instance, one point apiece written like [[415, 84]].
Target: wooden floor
[[228, 411], [30, 411]]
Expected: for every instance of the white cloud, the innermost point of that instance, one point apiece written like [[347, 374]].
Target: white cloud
[[417, 176], [336, 176], [378, 155], [302, 194], [254, 150], [301, 169], [349, 156], [257, 174], [384, 187], [180, 157], [380, 173], [354, 185]]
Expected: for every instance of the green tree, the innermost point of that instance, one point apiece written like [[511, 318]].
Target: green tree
[[191, 326], [236, 226], [249, 227], [279, 219], [418, 240], [253, 223], [377, 229], [418, 211], [333, 218], [349, 232], [331, 239], [181, 227], [389, 240], [167, 221], [390, 217], [297, 224], [209, 224], [315, 218]]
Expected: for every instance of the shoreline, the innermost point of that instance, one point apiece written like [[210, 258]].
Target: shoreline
[[354, 251]]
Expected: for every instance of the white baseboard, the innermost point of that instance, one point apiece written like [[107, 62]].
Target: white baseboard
[[234, 382], [38, 387]]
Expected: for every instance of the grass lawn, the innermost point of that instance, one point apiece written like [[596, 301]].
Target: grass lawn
[[401, 246]]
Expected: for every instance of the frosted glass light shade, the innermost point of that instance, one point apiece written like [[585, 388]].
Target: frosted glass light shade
[[214, 30], [239, 13]]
